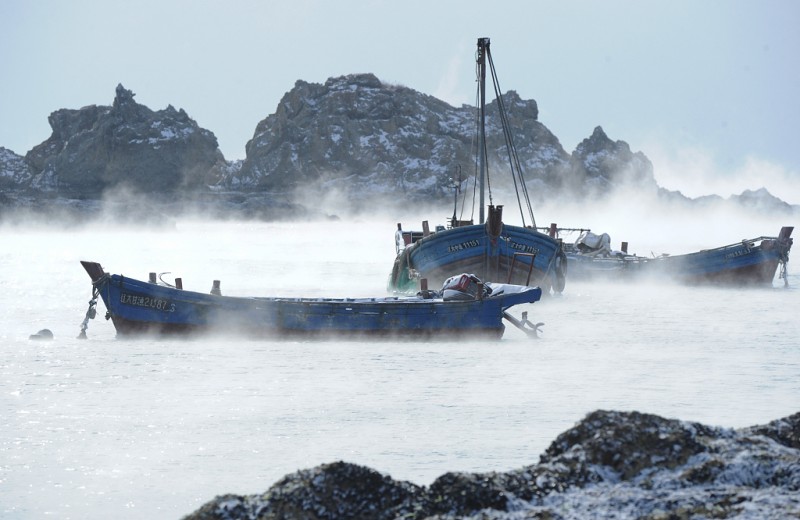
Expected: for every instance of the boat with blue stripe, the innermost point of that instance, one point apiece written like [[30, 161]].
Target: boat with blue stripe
[[491, 249], [465, 307]]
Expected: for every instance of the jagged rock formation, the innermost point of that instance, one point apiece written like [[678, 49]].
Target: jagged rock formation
[[762, 200], [610, 465], [14, 174], [14, 171], [354, 134], [126, 145], [601, 164], [366, 137]]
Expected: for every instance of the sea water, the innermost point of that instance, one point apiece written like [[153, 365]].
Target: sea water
[[153, 428]]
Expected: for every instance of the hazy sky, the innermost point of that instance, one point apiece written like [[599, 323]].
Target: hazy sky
[[707, 89]]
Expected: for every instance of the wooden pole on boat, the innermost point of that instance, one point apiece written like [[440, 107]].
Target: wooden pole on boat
[[426, 230], [152, 277], [423, 284], [179, 283], [215, 288], [624, 247], [483, 47], [553, 229]]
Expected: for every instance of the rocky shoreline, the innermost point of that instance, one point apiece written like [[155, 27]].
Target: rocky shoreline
[[609, 465]]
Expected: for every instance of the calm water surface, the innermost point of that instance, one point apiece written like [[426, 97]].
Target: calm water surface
[[134, 429]]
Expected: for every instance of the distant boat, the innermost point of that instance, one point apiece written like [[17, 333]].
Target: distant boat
[[490, 249], [464, 308], [591, 257], [752, 261]]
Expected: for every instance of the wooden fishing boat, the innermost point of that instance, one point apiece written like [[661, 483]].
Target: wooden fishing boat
[[753, 261], [591, 257], [464, 308], [491, 249]]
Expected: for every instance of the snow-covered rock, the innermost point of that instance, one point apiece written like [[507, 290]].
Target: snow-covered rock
[[610, 465], [97, 148]]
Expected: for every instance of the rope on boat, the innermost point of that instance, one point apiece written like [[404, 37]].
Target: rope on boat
[[160, 279], [91, 312], [783, 274], [783, 259]]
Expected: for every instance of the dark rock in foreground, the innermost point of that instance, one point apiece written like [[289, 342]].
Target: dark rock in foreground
[[610, 465]]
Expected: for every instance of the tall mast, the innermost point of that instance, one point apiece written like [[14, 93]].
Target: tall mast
[[483, 48]]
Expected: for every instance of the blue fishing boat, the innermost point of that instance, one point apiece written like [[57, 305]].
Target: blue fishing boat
[[591, 257], [491, 249], [753, 261], [465, 307]]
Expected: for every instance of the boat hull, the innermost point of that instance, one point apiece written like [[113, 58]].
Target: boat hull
[[744, 263], [136, 307], [517, 255], [583, 267], [749, 262]]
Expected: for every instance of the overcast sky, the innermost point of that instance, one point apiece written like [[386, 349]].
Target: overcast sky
[[707, 89]]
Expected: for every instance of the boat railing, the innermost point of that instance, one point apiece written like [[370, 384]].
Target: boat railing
[[747, 242], [455, 223], [532, 256]]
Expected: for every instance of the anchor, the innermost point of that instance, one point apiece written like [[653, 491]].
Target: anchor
[[528, 327]]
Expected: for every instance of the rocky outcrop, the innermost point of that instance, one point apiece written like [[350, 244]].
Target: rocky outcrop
[[600, 165], [366, 137], [14, 171], [354, 136], [610, 465], [761, 201], [98, 148], [335, 491]]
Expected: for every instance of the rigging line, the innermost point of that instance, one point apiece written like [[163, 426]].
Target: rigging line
[[506, 131], [457, 187], [488, 177], [509, 150], [474, 147], [515, 168], [477, 127], [510, 145], [464, 199], [508, 134]]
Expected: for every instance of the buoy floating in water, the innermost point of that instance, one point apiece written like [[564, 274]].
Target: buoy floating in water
[[42, 334]]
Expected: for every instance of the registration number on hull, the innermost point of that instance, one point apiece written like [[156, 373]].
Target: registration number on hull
[[149, 302]]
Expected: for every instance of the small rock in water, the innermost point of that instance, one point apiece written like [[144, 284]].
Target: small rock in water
[[45, 334]]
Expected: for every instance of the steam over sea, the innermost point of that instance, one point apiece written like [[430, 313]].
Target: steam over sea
[[130, 429]]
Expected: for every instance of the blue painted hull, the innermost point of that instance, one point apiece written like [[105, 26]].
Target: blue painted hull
[[743, 263], [750, 262], [137, 307], [583, 267], [471, 249]]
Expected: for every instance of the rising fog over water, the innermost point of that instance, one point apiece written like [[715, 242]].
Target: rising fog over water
[[152, 428], [155, 428]]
